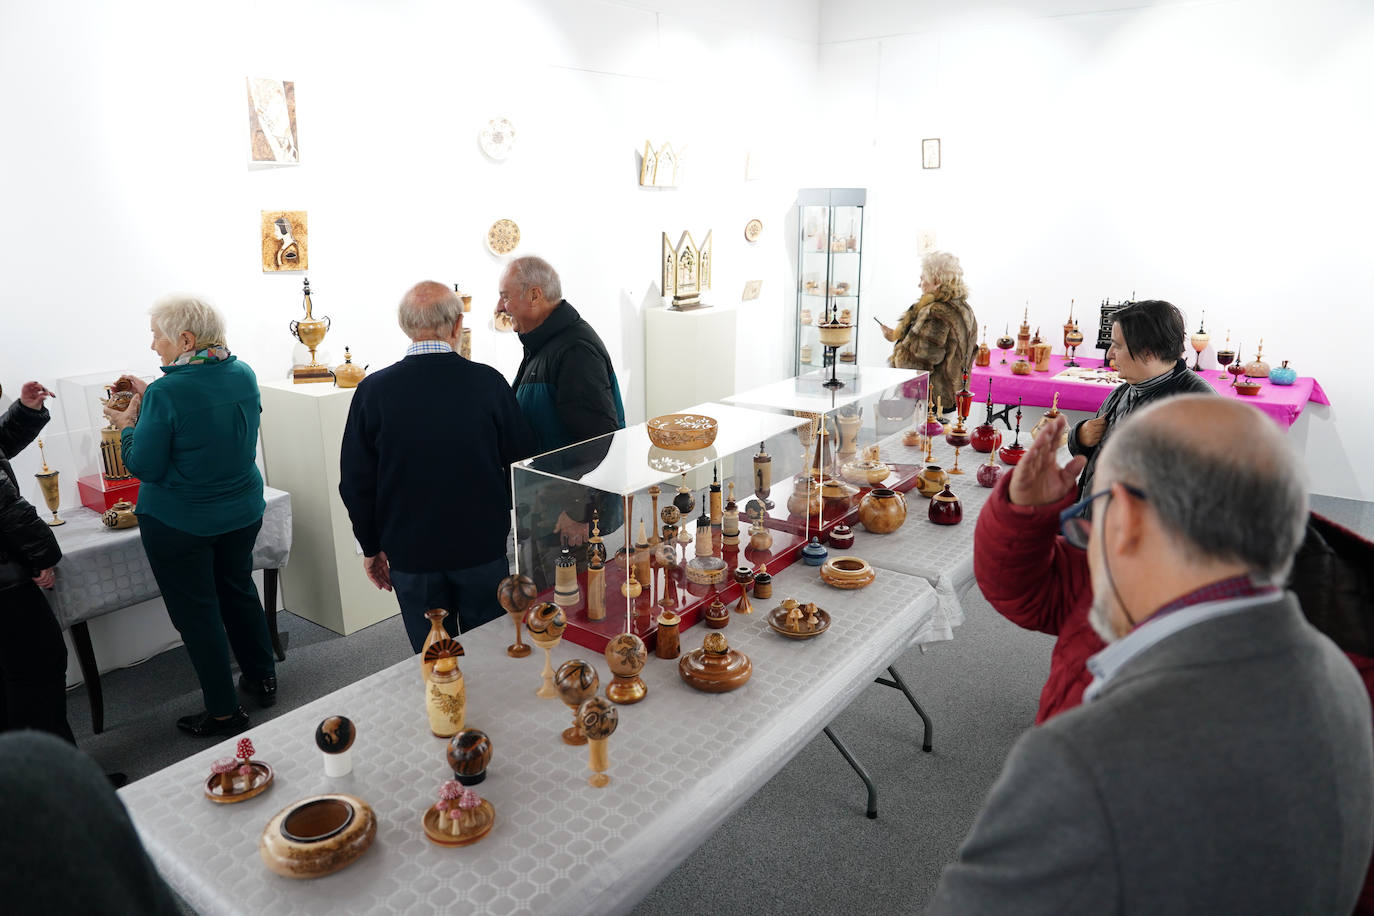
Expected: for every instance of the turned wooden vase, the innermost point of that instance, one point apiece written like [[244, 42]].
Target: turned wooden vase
[[882, 511]]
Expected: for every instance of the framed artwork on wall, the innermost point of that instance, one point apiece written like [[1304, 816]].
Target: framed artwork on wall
[[284, 237], [930, 153], [272, 121]]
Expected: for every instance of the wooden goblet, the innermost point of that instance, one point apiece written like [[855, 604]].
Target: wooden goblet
[[516, 594]]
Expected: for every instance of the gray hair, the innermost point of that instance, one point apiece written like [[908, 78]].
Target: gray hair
[[531, 271], [182, 312], [942, 269], [1244, 505], [429, 307]]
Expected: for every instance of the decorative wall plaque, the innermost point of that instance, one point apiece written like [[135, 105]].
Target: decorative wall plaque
[[659, 169], [503, 237], [284, 237], [497, 138], [752, 230]]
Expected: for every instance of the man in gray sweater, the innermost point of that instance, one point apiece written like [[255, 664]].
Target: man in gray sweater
[[1222, 761]]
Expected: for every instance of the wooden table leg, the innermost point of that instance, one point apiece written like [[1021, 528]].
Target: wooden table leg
[[85, 656], [269, 605]]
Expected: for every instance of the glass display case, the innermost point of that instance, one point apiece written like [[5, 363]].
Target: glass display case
[[842, 442], [829, 258], [618, 529], [102, 480]]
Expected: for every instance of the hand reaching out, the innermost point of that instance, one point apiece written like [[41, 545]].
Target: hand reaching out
[[33, 394], [1038, 480], [122, 419], [573, 533]]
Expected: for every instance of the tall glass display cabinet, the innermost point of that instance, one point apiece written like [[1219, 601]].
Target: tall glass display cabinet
[[829, 258]]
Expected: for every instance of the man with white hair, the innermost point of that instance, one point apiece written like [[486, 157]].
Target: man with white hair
[[1222, 760], [567, 389], [425, 471]]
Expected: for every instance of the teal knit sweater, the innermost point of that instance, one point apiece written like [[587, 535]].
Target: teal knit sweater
[[194, 445]]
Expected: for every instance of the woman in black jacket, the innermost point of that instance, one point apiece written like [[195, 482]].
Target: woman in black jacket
[[33, 657]]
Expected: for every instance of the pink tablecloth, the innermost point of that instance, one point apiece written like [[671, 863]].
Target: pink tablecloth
[[1283, 403]]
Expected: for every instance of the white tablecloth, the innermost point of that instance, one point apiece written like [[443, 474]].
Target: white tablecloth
[[103, 569], [940, 554], [681, 762]]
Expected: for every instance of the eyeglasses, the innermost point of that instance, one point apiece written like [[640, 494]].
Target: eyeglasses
[[1076, 522]]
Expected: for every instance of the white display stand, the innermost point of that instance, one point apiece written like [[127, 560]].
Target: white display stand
[[689, 358], [302, 429]]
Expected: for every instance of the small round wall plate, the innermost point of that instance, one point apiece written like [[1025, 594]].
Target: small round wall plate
[[503, 237], [497, 138], [752, 230]]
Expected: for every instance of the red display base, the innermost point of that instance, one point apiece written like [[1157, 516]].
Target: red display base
[[99, 494], [790, 535]]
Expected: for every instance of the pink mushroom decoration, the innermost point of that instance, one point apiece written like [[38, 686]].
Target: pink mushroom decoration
[[468, 802], [224, 768], [450, 792], [246, 750]]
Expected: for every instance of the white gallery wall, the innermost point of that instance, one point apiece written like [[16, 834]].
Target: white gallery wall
[[124, 174], [1215, 154]]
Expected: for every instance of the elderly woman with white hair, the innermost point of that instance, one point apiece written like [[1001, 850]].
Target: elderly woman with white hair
[[191, 439], [939, 333]]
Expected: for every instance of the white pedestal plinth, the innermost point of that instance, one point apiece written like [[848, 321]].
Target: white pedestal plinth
[[302, 430], [689, 358]]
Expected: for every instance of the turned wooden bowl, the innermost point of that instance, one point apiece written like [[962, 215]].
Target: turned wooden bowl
[[835, 334], [1247, 388], [244, 788], [317, 836], [682, 432], [847, 572]]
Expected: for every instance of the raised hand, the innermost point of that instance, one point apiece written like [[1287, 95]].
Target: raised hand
[[33, 394], [1038, 480]]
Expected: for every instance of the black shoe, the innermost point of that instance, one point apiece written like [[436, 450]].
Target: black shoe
[[207, 726], [118, 780], [265, 690]]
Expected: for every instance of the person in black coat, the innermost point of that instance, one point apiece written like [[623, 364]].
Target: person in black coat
[[567, 389], [33, 657]]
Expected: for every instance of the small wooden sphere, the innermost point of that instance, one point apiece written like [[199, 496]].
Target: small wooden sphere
[[599, 718], [576, 680], [516, 593], [545, 623], [469, 754], [335, 735], [626, 655]]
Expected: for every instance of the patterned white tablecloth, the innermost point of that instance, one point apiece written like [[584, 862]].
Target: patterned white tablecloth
[[940, 554], [103, 570], [681, 761]]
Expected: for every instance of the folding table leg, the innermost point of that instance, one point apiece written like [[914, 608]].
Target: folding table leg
[[269, 604], [85, 656], [858, 768], [899, 684]]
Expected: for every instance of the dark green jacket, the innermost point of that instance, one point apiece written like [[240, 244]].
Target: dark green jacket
[[194, 448]]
